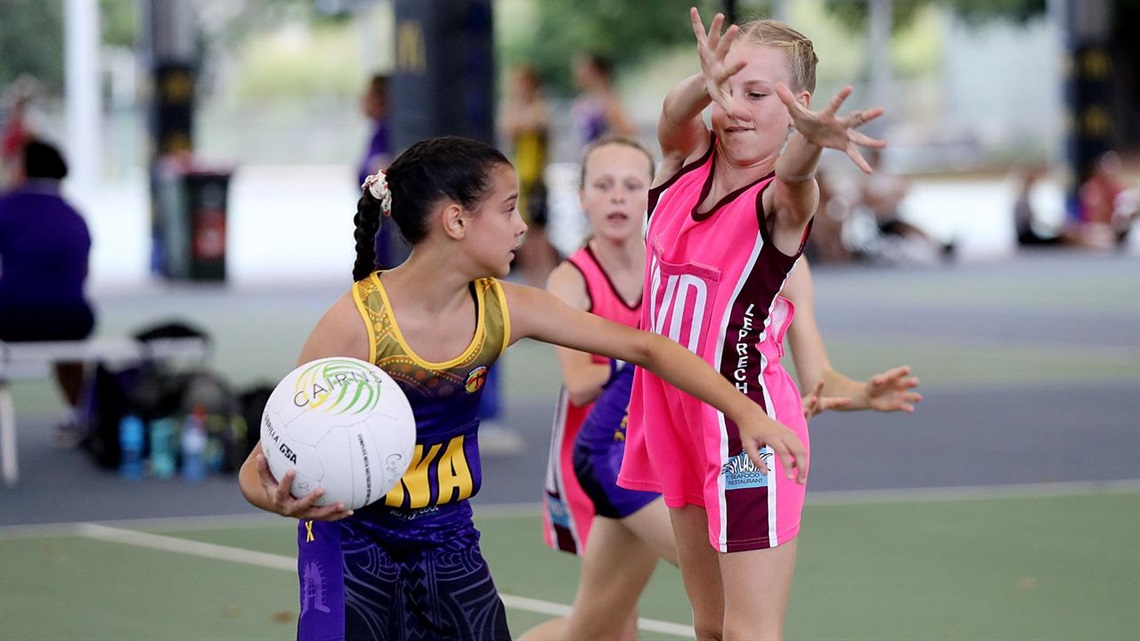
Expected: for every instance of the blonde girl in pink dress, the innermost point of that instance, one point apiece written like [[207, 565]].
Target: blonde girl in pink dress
[[730, 211]]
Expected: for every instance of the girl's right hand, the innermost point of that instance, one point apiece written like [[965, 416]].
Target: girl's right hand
[[713, 47], [285, 504]]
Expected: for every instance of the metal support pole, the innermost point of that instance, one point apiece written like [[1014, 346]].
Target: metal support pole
[[82, 93], [1084, 26], [879, 24]]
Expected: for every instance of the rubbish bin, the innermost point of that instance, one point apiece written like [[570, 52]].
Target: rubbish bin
[[190, 243]]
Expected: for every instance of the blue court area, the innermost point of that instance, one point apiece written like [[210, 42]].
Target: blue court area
[[1006, 507]]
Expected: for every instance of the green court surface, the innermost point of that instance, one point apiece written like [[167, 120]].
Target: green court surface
[[1060, 562]]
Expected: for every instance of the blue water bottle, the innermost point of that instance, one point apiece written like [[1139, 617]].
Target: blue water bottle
[[215, 454], [131, 445], [163, 447], [194, 445]]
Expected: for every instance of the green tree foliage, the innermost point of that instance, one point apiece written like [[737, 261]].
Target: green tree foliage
[[976, 12], [31, 42], [621, 30], [973, 12], [31, 31], [119, 21], [626, 30], [31, 37], [854, 14]]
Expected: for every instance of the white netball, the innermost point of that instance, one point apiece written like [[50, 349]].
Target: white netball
[[344, 425]]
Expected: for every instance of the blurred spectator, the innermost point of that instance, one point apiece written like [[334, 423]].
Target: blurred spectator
[[44, 250], [377, 156], [826, 243], [886, 237], [1108, 210], [1107, 206], [524, 122], [374, 105], [597, 110], [17, 127], [1025, 222]]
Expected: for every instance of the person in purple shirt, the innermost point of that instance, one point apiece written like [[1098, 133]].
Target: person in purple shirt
[[44, 248], [378, 155]]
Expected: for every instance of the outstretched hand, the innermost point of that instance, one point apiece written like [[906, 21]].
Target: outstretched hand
[[893, 391], [286, 505], [827, 128], [712, 47]]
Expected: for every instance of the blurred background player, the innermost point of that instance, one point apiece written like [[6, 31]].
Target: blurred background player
[[604, 277], [377, 156], [630, 530], [597, 110], [524, 122]]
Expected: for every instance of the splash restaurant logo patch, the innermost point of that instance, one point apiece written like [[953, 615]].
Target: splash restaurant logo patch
[[476, 379], [740, 472]]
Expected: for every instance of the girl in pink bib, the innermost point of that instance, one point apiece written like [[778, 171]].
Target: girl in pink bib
[[730, 211]]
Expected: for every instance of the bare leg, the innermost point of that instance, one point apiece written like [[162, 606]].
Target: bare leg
[[551, 630], [594, 609], [555, 630], [700, 570], [615, 570], [70, 378], [756, 585], [651, 524]]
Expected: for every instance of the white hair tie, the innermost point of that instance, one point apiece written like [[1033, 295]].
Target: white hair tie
[[377, 185]]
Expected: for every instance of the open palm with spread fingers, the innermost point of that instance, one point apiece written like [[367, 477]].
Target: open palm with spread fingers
[[893, 391], [713, 47], [827, 128]]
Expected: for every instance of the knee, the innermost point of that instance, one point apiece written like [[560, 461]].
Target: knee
[[708, 631], [750, 630]]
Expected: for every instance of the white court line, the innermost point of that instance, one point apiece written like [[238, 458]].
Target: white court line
[[273, 561], [509, 510], [278, 562], [185, 546]]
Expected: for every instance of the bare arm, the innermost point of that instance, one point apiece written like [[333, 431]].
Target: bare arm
[[681, 132], [340, 332], [795, 194], [518, 118], [892, 390], [539, 315], [619, 121], [582, 377]]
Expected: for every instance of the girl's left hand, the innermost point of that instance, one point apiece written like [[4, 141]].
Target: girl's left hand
[[892, 391], [827, 129], [815, 403]]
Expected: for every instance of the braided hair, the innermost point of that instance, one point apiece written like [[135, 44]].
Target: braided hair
[[430, 171]]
